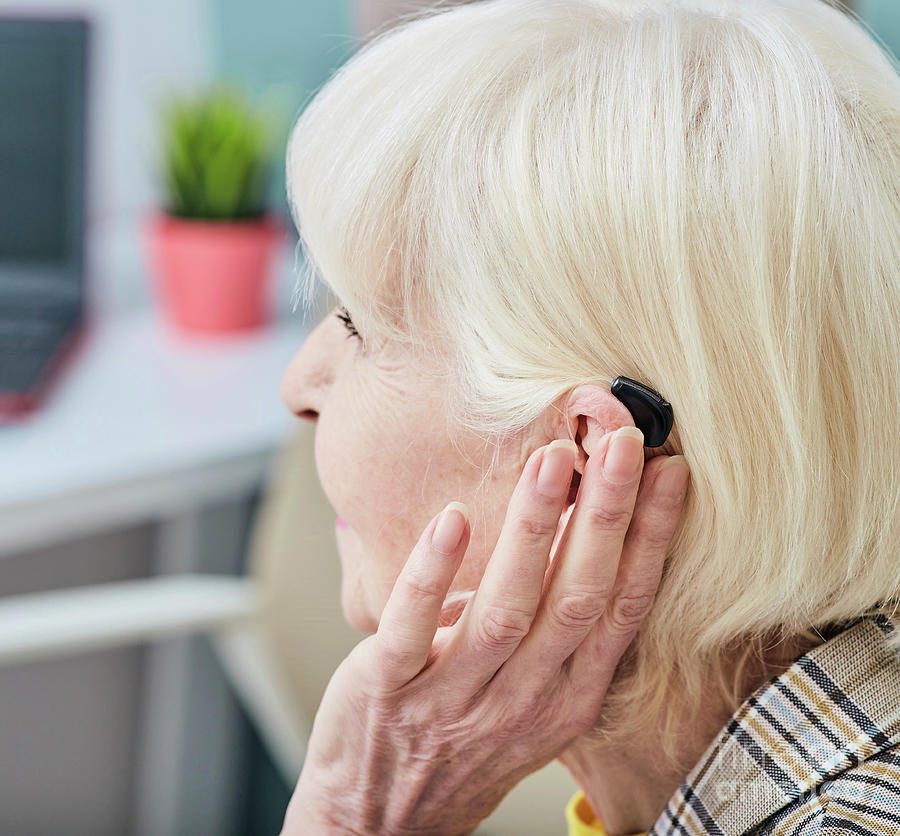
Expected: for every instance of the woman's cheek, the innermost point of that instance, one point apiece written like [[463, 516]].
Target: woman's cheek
[[320, 456], [330, 465], [358, 611]]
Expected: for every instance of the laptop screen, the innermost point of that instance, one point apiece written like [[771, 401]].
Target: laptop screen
[[42, 103]]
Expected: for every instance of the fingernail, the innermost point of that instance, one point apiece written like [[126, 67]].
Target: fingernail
[[673, 475], [450, 527], [557, 464], [624, 456]]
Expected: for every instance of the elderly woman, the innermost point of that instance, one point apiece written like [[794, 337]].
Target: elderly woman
[[517, 202]]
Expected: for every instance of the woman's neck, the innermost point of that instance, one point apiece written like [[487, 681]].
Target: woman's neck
[[629, 786]]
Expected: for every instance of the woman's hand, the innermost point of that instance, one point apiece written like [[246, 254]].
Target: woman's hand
[[424, 729]]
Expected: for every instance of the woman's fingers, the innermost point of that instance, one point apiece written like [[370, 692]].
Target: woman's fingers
[[659, 505], [502, 610], [410, 618], [607, 567], [587, 561]]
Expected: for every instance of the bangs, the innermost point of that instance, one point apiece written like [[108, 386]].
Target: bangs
[[351, 158], [386, 167]]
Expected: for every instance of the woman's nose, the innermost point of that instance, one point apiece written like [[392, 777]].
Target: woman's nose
[[307, 377]]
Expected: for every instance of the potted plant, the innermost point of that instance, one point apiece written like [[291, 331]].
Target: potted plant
[[211, 246]]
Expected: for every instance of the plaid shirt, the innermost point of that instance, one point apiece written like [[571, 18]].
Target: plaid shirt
[[815, 751]]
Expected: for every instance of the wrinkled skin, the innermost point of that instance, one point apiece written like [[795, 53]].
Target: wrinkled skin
[[424, 728]]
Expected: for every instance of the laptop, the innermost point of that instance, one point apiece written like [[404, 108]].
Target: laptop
[[43, 65]]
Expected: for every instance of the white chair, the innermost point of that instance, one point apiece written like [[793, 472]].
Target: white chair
[[240, 614]]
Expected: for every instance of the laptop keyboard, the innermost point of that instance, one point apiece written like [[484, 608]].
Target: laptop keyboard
[[26, 345]]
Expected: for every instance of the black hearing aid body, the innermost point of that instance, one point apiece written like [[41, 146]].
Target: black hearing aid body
[[651, 412]]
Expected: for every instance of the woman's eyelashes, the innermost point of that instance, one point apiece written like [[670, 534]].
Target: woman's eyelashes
[[344, 316]]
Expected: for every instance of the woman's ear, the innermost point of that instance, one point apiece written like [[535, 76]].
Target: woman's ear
[[590, 413]]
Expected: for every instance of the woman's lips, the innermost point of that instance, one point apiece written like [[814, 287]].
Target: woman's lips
[[339, 522]]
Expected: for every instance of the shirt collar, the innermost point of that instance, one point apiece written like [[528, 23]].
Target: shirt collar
[[833, 708]]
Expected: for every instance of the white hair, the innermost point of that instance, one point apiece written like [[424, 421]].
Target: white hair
[[701, 195]]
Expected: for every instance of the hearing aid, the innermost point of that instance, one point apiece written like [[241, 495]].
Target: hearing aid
[[651, 412]]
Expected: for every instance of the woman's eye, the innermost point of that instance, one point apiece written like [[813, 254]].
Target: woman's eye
[[344, 316]]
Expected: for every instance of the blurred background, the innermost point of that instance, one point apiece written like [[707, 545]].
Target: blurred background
[[169, 611]]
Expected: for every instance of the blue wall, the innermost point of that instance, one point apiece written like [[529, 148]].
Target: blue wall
[[281, 51], [884, 18]]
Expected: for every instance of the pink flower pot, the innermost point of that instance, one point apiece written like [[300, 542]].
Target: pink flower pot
[[212, 277]]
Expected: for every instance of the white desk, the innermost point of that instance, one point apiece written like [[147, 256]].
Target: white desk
[[146, 425]]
